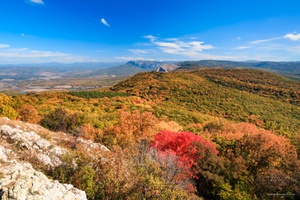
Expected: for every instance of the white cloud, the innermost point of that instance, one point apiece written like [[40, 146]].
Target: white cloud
[[169, 45], [197, 46], [176, 46], [4, 46], [150, 37], [103, 21], [242, 47], [187, 48], [265, 40], [292, 36], [37, 1], [139, 51]]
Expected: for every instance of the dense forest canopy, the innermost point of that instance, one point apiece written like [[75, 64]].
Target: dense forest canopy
[[210, 133]]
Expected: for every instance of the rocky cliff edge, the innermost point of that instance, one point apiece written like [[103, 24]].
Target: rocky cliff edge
[[19, 179]]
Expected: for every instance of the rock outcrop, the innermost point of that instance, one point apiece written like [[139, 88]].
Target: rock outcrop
[[18, 177], [19, 180], [46, 153], [167, 68]]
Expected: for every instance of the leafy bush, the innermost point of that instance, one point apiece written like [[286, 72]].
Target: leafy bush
[[61, 120], [7, 111]]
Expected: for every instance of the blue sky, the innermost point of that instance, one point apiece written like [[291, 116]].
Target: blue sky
[[41, 31]]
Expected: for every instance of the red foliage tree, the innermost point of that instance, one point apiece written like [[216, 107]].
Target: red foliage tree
[[188, 147]]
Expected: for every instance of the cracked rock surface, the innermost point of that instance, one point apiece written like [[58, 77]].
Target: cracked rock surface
[[21, 181], [18, 178]]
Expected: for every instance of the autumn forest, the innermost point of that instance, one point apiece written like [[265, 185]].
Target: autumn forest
[[203, 134]]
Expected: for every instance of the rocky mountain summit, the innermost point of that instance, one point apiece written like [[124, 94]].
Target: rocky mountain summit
[[167, 68], [21, 151], [154, 65]]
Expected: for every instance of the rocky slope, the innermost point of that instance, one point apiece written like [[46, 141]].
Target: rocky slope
[[21, 150]]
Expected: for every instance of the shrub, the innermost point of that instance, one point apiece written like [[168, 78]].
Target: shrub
[[61, 120]]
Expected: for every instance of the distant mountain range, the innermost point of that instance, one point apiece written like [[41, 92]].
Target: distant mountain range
[[136, 66], [21, 77], [290, 69]]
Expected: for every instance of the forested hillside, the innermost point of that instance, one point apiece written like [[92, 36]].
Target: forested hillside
[[210, 134], [239, 95]]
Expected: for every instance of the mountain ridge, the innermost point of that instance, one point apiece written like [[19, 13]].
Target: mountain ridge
[[290, 68]]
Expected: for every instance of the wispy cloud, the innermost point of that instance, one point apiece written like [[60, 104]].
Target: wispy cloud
[[4, 46], [127, 58], [292, 36], [265, 40], [280, 47], [179, 47], [140, 51], [103, 21], [150, 37], [242, 47], [26, 55], [36, 2]]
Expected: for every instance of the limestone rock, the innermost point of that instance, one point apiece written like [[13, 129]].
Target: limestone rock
[[33, 142], [3, 156], [89, 145], [21, 181]]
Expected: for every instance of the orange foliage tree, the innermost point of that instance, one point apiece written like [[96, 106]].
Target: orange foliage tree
[[91, 133], [131, 128], [29, 114]]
